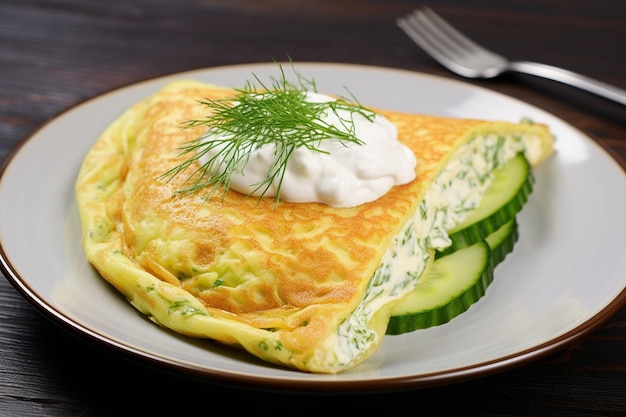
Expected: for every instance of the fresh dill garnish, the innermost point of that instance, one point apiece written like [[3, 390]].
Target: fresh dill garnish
[[279, 115]]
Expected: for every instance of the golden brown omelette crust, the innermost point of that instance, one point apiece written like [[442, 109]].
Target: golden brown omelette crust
[[308, 253], [295, 269]]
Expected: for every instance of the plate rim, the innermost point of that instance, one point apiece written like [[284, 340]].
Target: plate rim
[[391, 383]]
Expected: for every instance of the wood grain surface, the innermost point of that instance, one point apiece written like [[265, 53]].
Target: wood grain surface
[[55, 54]]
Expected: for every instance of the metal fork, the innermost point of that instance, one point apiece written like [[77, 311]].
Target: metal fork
[[461, 55]]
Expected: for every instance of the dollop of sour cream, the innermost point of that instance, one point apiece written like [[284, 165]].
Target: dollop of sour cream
[[346, 175]]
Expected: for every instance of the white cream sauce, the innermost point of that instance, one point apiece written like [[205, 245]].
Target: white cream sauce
[[346, 175]]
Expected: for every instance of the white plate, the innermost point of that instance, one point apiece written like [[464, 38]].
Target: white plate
[[564, 278]]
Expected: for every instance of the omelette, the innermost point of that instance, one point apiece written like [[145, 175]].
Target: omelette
[[304, 285]]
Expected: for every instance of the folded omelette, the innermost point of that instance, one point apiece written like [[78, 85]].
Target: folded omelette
[[304, 285]]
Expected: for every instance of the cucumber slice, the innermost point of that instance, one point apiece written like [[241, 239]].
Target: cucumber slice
[[505, 197], [416, 312], [501, 241], [453, 283]]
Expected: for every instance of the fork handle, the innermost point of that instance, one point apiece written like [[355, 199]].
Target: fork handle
[[570, 78]]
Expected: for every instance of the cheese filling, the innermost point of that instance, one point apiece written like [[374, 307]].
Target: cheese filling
[[456, 191]]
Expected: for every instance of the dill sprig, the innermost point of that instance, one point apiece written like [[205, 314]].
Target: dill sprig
[[278, 115]]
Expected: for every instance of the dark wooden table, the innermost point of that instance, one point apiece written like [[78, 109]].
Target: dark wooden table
[[57, 53]]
